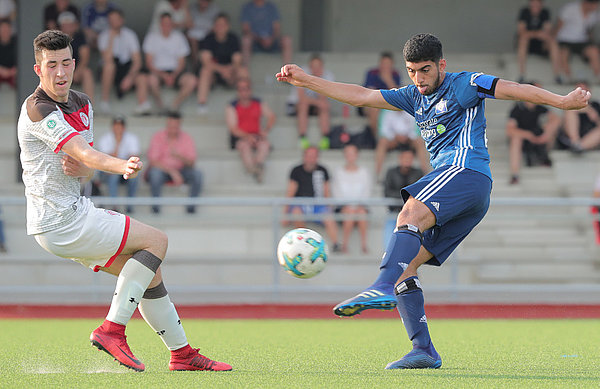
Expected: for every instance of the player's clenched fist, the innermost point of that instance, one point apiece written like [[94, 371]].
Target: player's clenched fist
[[292, 74], [133, 166], [577, 99]]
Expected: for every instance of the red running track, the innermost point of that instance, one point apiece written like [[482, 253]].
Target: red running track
[[281, 311]]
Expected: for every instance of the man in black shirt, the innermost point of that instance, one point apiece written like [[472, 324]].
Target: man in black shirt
[[221, 59], [8, 54], [311, 180], [534, 32], [527, 132], [582, 127]]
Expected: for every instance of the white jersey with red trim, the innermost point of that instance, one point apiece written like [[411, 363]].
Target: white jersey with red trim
[[44, 127]]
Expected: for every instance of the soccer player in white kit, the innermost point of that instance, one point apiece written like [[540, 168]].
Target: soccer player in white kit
[[55, 132]]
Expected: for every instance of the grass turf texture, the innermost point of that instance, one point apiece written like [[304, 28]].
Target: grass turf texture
[[309, 353]]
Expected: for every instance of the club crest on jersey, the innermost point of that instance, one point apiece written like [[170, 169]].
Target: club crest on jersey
[[84, 119], [441, 107]]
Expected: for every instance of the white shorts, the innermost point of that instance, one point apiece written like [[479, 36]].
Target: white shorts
[[397, 123], [94, 239]]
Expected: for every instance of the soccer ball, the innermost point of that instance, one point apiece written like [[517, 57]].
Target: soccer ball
[[302, 253]]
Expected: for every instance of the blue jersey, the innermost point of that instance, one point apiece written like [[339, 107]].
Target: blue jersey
[[451, 120]]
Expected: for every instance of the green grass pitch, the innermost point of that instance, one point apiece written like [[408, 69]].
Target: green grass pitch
[[348, 353]]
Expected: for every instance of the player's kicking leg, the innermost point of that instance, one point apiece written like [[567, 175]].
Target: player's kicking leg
[[154, 305], [403, 246]]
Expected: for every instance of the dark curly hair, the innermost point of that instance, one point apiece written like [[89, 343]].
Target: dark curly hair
[[423, 47], [50, 40]]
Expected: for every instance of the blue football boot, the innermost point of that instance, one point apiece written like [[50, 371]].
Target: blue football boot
[[418, 358], [368, 299]]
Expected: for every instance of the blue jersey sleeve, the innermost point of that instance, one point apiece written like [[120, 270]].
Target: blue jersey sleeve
[[400, 98], [470, 88]]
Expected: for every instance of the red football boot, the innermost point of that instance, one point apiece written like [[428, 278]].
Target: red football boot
[[110, 337], [187, 358]]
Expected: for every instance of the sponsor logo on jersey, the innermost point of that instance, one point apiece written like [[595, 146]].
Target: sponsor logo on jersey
[[51, 124], [436, 205], [441, 107], [419, 111], [440, 128]]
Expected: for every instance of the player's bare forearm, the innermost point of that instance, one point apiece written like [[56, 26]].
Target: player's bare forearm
[[77, 148], [509, 90], [346, 93]]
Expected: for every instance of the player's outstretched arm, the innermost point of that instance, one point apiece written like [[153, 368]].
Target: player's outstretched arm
[[80, 150], [509, 90], [346, 93]]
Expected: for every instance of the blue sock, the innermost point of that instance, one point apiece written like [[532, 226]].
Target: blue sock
[[404, 245], [411, 307]]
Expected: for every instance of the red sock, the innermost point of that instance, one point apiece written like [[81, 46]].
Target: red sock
[[181, 352], [113, 328]]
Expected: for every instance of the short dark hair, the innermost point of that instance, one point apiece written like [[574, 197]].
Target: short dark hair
[[423, 47], [52, 40], [222, 15], [387, 54], [174, 115]]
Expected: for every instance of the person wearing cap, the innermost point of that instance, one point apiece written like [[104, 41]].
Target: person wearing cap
[[68, 23], [122, 144], [172, 156]]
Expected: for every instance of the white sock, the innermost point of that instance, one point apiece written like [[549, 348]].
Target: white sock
[[131, 284], [160, 314]]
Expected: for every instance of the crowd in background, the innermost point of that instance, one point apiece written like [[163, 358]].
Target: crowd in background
[[190, 47]]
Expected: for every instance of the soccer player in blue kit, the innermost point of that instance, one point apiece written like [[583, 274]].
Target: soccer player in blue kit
[[445, 205]]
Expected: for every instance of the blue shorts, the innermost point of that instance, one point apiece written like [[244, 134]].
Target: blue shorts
[[459, 198], [313, 209]]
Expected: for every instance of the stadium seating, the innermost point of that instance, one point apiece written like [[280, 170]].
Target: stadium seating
[[226, 253]]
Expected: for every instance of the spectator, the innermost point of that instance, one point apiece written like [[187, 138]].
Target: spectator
[[529, 134], [249, 121], [203, 14], [8, 10], [308, 102], [352, 182], [54, 9], [172, 156], [534, 34], [384, 76], [122, 61], [179, 11], [8, 54], [94, 19], [261, 30], [582, 127], [398, 131], [81, 53], [575, 22], [2, 237], [396, 178], [165, 53], [122, 144], [310, 179], [595, 211], [221, 59]]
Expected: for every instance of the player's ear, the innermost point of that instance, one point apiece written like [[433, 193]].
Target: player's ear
[[442, 65], [37, 69]]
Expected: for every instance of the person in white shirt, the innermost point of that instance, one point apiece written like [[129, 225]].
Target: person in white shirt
[[121, 144], [121, 63], [165, 54], [398, 131], [352, 182], [574, 34], [308, 102]]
